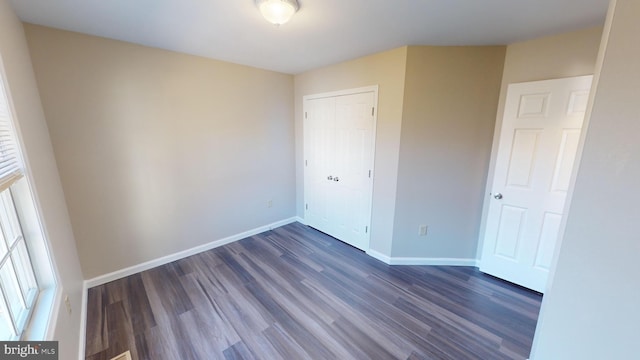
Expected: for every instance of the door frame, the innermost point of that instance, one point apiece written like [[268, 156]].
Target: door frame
[[344, 92], [492, 165]]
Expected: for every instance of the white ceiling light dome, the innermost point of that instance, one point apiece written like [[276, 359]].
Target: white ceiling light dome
[[277, 12]]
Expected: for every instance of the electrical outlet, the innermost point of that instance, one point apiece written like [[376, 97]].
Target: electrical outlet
[[270, 203], [67, 303], [422, 230]]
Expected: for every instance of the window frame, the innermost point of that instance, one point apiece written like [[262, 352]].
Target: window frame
[[39, 322], [12, 238]]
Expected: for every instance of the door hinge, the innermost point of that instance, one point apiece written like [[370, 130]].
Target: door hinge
[[372, 110], [306, 206], [305, 114], [369, 174], [366, 229], [306, 163]]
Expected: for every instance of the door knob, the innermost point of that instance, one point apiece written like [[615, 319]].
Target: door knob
[[336, 179], [330, 178], [498, 196]]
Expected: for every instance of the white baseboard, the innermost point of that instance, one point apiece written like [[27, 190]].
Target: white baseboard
[[83, 322], [389, 260], [119, 274], [433, 261], [380, 256], [301, 220]]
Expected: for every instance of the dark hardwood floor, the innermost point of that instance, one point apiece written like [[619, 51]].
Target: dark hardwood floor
[[295, 293]]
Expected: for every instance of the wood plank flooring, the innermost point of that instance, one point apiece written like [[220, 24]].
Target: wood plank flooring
[[295, 293]]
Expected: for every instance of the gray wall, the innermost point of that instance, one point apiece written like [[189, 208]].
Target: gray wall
[[45, 179], [450, 102], [592, 310], [160, 152]]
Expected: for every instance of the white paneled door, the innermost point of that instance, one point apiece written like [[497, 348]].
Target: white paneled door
[[537, 149], [338, 149]]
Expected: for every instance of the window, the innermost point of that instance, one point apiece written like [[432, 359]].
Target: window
[[19, 287], [17, 279]]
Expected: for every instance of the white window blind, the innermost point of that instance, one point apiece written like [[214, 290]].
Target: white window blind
[[10, 163]]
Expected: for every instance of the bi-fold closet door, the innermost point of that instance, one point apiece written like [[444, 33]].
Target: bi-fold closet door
[[339, 133]]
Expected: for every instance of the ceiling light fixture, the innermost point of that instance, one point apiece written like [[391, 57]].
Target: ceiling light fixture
[[277, 12]]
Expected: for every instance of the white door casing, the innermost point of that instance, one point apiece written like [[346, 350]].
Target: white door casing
[[536, 153], [339, 133]]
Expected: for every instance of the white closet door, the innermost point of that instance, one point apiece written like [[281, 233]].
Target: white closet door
[[319, 157], [338, 145], [354, 136]]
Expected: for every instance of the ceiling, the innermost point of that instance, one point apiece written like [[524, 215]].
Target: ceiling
[[323, 32]]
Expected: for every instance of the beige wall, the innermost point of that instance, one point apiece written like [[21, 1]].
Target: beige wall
[[45, 179], [591, 310], [160, 152], [551, 57], [450, 102], [387, 70]]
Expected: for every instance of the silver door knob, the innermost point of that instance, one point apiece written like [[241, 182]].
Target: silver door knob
[[336, 179], [498, 196], [330, 178]]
